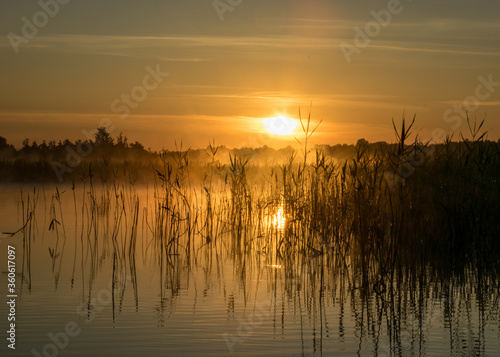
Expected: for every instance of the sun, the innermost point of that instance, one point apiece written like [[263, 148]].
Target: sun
[[280, 125]]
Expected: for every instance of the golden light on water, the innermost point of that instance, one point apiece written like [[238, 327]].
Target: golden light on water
[[274, 266], [280, 125], [279, 219]]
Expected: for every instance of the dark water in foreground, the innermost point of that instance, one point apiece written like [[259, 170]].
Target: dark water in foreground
[[222, 301]]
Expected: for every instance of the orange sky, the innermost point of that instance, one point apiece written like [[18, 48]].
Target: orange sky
[[264, 59]]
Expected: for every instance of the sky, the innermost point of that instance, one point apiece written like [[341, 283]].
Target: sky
[[194, 71]]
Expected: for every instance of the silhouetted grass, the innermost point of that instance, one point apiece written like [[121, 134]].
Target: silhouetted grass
[[388, 223]]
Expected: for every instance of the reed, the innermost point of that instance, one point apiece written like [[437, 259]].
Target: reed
[[321, 217]]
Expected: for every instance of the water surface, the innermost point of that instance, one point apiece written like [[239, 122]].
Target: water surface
[[220, 296]]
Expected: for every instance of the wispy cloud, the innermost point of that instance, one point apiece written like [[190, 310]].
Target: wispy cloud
[[482, 103], [86, 42], [430, 49]]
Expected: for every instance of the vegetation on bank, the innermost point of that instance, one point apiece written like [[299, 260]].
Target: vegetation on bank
[[382, 204], [384, 221], [111, 158]]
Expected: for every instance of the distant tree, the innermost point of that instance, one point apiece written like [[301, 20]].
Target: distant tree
[[43, 146], [102, 137], [137, 146], [361, 142], [25, 144], [122, 141], [5, 147]]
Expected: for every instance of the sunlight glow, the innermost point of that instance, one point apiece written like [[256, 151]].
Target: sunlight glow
[[280, 125], [274, 266], [279, 219]]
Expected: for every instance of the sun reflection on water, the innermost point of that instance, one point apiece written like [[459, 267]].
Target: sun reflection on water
[[278, 219]]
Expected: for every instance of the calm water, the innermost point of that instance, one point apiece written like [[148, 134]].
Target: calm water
[[221, 300]]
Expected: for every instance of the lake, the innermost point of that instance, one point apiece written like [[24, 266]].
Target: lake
[[92, 262]]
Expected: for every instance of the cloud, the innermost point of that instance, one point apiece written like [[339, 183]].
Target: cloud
[[481, 103], [86, 42], [441, 50]]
